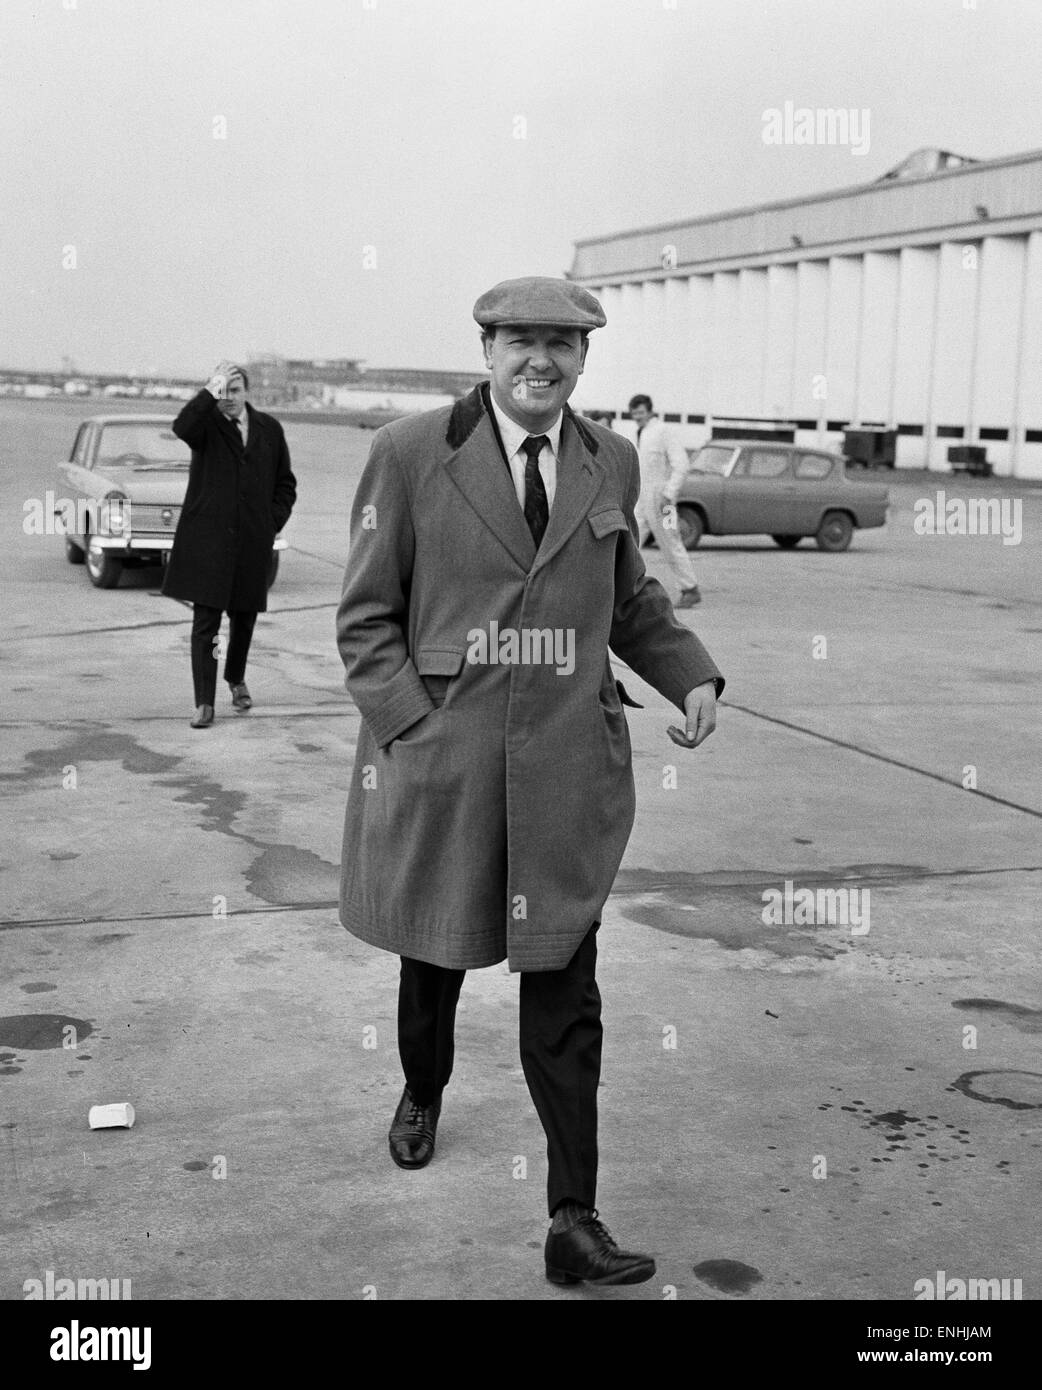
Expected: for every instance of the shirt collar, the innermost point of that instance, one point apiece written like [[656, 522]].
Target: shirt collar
[[514, 435]]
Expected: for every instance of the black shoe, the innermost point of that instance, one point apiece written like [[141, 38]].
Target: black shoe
[[203, 717], [413, 1128], [241, 697], [587, 1251]]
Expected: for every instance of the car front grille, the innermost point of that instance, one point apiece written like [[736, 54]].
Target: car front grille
[[147, 518]]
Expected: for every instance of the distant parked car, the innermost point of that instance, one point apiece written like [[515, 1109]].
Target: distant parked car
[[746, 487], [126, 481]]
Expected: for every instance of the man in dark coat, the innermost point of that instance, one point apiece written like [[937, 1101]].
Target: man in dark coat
[[240, 494], [493, 563]]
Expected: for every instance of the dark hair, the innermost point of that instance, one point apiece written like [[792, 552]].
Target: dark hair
[[635, 401], [241, 371]]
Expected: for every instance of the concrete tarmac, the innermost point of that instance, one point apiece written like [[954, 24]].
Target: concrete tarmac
[[790, 1109]]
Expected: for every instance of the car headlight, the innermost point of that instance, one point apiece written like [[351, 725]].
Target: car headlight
[[114, 515]]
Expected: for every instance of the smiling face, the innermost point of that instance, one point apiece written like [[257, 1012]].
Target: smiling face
[[534, 370], [640, 415], [234, 402]]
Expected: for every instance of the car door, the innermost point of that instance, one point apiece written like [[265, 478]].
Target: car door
[[814, 476], [760, 493], [77, 475]]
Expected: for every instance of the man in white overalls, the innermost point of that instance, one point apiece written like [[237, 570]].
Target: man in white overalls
[[663, 467]]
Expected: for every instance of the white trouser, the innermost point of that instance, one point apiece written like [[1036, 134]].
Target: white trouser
[[649, 513]]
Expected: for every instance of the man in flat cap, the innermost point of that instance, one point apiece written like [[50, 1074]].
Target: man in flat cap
[[493, 565], [240, 494]]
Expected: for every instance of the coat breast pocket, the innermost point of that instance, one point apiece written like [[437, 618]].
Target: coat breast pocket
[[437, 667]]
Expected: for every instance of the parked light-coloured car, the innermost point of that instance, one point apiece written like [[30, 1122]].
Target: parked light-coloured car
[[125, 485], [746, 487]]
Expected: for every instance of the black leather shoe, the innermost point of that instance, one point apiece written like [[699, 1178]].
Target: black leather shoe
[[587, 1251], [203, 717], [241, 697], [413, 1128]]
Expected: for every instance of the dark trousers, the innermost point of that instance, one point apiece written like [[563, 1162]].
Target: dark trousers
[[560, 1037], [206, 625]]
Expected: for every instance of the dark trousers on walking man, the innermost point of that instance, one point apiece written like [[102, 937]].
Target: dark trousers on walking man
[[206, 627], [560, 1044]]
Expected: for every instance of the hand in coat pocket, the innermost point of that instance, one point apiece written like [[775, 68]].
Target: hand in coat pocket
[[413, 733]]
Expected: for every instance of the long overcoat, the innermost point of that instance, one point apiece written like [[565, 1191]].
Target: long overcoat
[[491, 800], [237, 500]]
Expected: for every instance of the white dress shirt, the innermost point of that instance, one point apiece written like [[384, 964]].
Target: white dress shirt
[[664, 462], [513, 436], [243, 422]]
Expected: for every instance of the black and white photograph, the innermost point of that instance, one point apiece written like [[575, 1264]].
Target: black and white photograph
[[520, 667]]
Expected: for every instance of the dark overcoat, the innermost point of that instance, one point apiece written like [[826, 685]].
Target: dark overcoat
[[237, 501], [490, 804]]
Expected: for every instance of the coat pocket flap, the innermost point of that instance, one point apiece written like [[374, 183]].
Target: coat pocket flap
[[439, 661], [610, 519]]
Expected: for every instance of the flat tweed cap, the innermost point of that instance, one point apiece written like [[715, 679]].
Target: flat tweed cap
[[539, 299]]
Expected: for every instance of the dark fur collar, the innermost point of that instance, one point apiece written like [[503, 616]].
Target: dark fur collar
[[468, 410]]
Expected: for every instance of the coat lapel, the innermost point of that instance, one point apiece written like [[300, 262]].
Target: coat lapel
[[478, 470], [579, 478], [231, 430]]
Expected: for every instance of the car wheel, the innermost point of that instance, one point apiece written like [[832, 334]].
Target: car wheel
[[786, 542], [690, 527], [73, 552], [273, 567], [104, 569], [835, 531]]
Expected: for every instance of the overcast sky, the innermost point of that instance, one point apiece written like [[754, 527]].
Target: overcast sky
[[393, 125]]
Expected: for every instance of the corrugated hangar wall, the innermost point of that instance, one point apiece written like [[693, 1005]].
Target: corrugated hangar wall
[[909, 303], [942, 343]]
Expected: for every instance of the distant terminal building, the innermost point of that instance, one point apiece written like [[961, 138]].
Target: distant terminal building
[[278, 380], [347, 382], [913, 304]]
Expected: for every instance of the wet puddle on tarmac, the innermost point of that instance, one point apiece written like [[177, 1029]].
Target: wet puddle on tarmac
[[727, 907], [1017, 1090], [728, 1276], [1018, 1016]]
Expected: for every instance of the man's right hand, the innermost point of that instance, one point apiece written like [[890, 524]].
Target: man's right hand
[[219, 379]]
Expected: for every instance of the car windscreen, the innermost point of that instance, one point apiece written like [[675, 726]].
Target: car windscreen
[[713, 458], [142, 447]]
